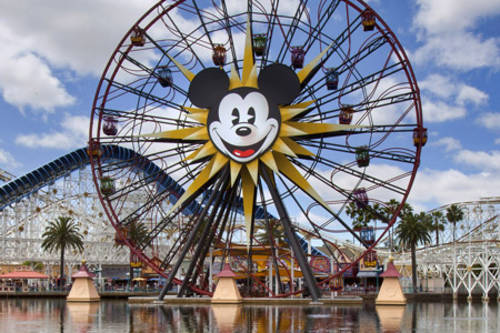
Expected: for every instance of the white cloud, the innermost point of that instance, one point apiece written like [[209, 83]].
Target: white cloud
[[26, 80], [445, 99], [490, 120], [439, 111], [497, 141], [73, 134], [451, 15], [479, 159], [449, 143], [7, 160], [434, 188], [452, 50], [78, 35], [468, 94], [446, 29], [41, 37], [438, 85]]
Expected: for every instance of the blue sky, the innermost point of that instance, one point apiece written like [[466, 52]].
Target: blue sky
[[53, 53]]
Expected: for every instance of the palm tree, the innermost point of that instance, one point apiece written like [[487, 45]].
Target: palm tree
[[437, 224], [454, 214], [61, 234], [34, 265], [273, 231], [413, 230], [137, 234], [360, 215]]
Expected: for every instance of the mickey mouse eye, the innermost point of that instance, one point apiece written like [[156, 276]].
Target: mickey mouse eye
[[236, 116], [251, 115]]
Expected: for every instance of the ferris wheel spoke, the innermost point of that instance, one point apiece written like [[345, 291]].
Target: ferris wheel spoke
[[208, 233], [323, 19], [348, 196], [304, 213], [221, 183], [358, 174], [288, 36], [227, 27], [152, 74], [184, 39], [364, 106], [145, 95], [125, 116], [392, 155], [351, 87], [292, 238]]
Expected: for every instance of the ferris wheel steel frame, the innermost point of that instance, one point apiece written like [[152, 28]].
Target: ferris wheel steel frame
[[137, 106]]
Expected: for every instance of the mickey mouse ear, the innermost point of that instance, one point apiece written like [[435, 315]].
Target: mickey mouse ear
[[279, 83], [207, 87]]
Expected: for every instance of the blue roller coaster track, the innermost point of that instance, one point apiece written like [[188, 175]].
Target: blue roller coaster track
[[23, 186]]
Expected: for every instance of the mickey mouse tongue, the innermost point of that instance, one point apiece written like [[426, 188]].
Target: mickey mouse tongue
[[243, 153]]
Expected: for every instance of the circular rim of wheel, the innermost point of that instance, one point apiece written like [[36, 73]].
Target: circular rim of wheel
[[111, 92]]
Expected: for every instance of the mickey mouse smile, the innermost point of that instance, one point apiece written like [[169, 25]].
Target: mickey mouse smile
[[243, 151]]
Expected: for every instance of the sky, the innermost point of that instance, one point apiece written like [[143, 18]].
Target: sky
[[54, 51]]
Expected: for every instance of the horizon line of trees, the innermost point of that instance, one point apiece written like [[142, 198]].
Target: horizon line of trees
[[411, 229]]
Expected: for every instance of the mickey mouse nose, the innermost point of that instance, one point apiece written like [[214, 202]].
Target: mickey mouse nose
[[243, 131]]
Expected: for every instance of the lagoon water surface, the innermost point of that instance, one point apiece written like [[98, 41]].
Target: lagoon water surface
[[22, 315]]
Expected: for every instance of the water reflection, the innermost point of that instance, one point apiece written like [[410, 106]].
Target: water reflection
[[55, 315]]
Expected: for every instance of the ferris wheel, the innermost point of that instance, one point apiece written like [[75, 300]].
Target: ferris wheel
[[241, 116]]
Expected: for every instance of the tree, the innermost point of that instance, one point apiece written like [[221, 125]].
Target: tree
[[137, 234], [270, 230], [454, 214], [413, 230], [61, 234], [33, 265], [360, 215], [437, 223]]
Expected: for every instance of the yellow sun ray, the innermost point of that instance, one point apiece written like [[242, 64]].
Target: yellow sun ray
[[297, 148], [198, 182], [251, 81], [268, 160], [253, 169], [304, 72], [248, 53], [281, 147], [288, 169], [182, 133], [194, 110], [186, 72], [235, 168], [200, 117], [298, 129], [206, 150], [234, 79], [287, 130], [288, 112], [219, 161]]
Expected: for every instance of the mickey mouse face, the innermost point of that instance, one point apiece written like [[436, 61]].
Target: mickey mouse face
[[244, 122], [244, 128]]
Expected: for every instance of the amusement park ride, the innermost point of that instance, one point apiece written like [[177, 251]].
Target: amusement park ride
[[237, 131], [256, 111]]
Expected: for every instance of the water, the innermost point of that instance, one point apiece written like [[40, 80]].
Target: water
[[23, 315]]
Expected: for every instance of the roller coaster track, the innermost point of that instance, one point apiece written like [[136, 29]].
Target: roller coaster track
[[23, 186]]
